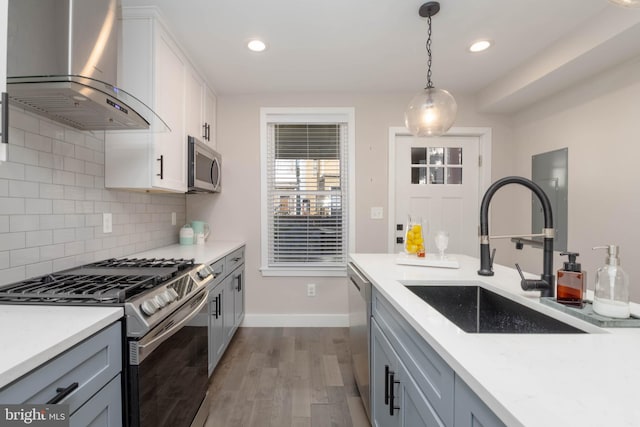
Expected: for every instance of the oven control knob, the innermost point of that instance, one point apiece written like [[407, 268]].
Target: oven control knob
[[164, 298], [204, 273], [174, 295], [161, 300], [149, 307]]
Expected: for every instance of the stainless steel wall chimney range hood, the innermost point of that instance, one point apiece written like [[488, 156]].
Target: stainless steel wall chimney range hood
[[62, 64]]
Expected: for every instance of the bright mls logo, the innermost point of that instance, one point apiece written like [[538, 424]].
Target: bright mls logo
[[34, 415]]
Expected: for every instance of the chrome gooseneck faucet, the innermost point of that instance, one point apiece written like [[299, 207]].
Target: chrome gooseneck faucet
[[546, 283]]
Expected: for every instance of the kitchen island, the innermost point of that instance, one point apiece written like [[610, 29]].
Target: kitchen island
[[524, 379]]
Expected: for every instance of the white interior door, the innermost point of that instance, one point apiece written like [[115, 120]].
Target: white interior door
[[437, 179]]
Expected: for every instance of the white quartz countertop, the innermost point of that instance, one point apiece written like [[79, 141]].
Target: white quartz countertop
[[212, 250], [525, 379], [33, 334]]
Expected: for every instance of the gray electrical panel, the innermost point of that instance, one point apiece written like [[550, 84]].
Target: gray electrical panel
[[550, 171]]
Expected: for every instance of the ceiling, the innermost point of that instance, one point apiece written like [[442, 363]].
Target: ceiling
[[540, 46]]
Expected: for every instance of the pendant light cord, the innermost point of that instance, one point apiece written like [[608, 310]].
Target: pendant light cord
[[429, 82]]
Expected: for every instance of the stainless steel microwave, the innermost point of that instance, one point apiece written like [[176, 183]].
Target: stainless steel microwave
[[204, 169]]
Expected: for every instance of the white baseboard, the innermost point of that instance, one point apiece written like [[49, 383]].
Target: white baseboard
[[296, 320]]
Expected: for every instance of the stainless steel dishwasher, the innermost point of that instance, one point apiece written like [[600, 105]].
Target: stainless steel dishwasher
[[359, 332]]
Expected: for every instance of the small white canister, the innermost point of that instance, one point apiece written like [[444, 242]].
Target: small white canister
[[186, 235]]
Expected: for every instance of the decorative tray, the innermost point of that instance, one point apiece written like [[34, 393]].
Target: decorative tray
[[430, 260], [587, 314]]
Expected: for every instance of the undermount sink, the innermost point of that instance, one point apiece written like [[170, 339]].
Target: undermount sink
[[475, 309]]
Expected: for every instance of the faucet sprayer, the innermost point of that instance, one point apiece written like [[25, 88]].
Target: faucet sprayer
[[546, 284]]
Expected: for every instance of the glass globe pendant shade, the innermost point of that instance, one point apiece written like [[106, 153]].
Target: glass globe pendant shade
[[431, 112], [627, 3]]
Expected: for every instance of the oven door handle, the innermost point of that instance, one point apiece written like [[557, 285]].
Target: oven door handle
[[145, 349]]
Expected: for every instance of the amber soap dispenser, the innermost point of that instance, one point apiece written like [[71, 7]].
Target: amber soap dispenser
[[571, 282]]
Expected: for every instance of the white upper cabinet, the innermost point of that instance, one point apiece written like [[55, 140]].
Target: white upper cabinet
[[210, 117], [194, 117], [150, 65]]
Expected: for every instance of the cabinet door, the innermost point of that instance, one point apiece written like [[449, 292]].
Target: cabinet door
[[470, 411], [228, 309], [104, 409], [216, 326], [170, 147], [194, 104], [210, 117], [383, 363], [238, 296]]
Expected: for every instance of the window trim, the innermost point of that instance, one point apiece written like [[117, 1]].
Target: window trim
[[306, 115]]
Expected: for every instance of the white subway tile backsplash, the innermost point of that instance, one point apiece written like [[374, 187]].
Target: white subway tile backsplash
[[85, 207], [62, 148], [10, 170], [52, 197], [39, 238], [73, 165], [38, 206], [85, 181], [24, 256], [73, 248], [38, 174], [11, 205], [39, 269], [24, 223], [24, 189], [38, 142], [51, 251], [26, 121], [16, 136], [52, 130], [26, 156], [10, 275], [64, 206], [50, 222], [51, 191], [4, 260], [63, 177], [64, 235]]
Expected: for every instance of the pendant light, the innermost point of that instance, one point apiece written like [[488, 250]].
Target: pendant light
[[432, 111], [627, 3]]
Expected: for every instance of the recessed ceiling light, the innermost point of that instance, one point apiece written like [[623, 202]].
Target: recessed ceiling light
[[480, 45], [256, 45], [626, 3]]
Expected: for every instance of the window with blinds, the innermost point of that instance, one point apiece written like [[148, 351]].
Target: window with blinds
[[306, 194]]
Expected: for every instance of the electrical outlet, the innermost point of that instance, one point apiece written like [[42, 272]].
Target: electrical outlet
[[377, 213], [173, 218], [107, 223], [311, 289]]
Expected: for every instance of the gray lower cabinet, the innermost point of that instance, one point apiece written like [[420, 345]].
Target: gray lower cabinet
[[425, 389], [470, 410], [226, 303], [85, 377], [397, 400]]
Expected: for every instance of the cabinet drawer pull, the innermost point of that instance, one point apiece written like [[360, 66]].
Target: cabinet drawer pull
[[62, 393], [218, 306], [204, 130], [386, 384], [392, 383], [161, 160]]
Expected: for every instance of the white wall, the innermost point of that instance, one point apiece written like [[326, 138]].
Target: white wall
[[235, 212], [599, 121]]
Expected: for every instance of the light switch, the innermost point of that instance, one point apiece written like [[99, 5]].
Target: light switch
[[377, 212], [107, 223]]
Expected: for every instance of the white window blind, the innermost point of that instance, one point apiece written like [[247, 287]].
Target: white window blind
[[306, 194]]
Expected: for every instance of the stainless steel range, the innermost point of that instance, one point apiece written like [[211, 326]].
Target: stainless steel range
[[165, 305]]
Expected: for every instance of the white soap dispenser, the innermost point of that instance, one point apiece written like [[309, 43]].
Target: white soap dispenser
[[611, 296]]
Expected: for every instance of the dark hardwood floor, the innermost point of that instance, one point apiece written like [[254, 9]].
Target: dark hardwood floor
[[284, 377]]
